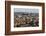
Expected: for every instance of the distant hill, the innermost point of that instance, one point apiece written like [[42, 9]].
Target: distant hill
[[24, 13]]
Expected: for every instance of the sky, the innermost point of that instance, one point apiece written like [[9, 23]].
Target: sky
[[28, 10]]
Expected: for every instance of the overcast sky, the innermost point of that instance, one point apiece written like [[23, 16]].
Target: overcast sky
[[28, 10]]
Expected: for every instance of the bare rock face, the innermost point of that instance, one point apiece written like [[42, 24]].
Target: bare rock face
[[21, 20]]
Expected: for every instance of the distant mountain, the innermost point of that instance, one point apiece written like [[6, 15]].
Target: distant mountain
[[24, 13]]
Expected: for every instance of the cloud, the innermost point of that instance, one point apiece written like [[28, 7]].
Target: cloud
[[28, 10]]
